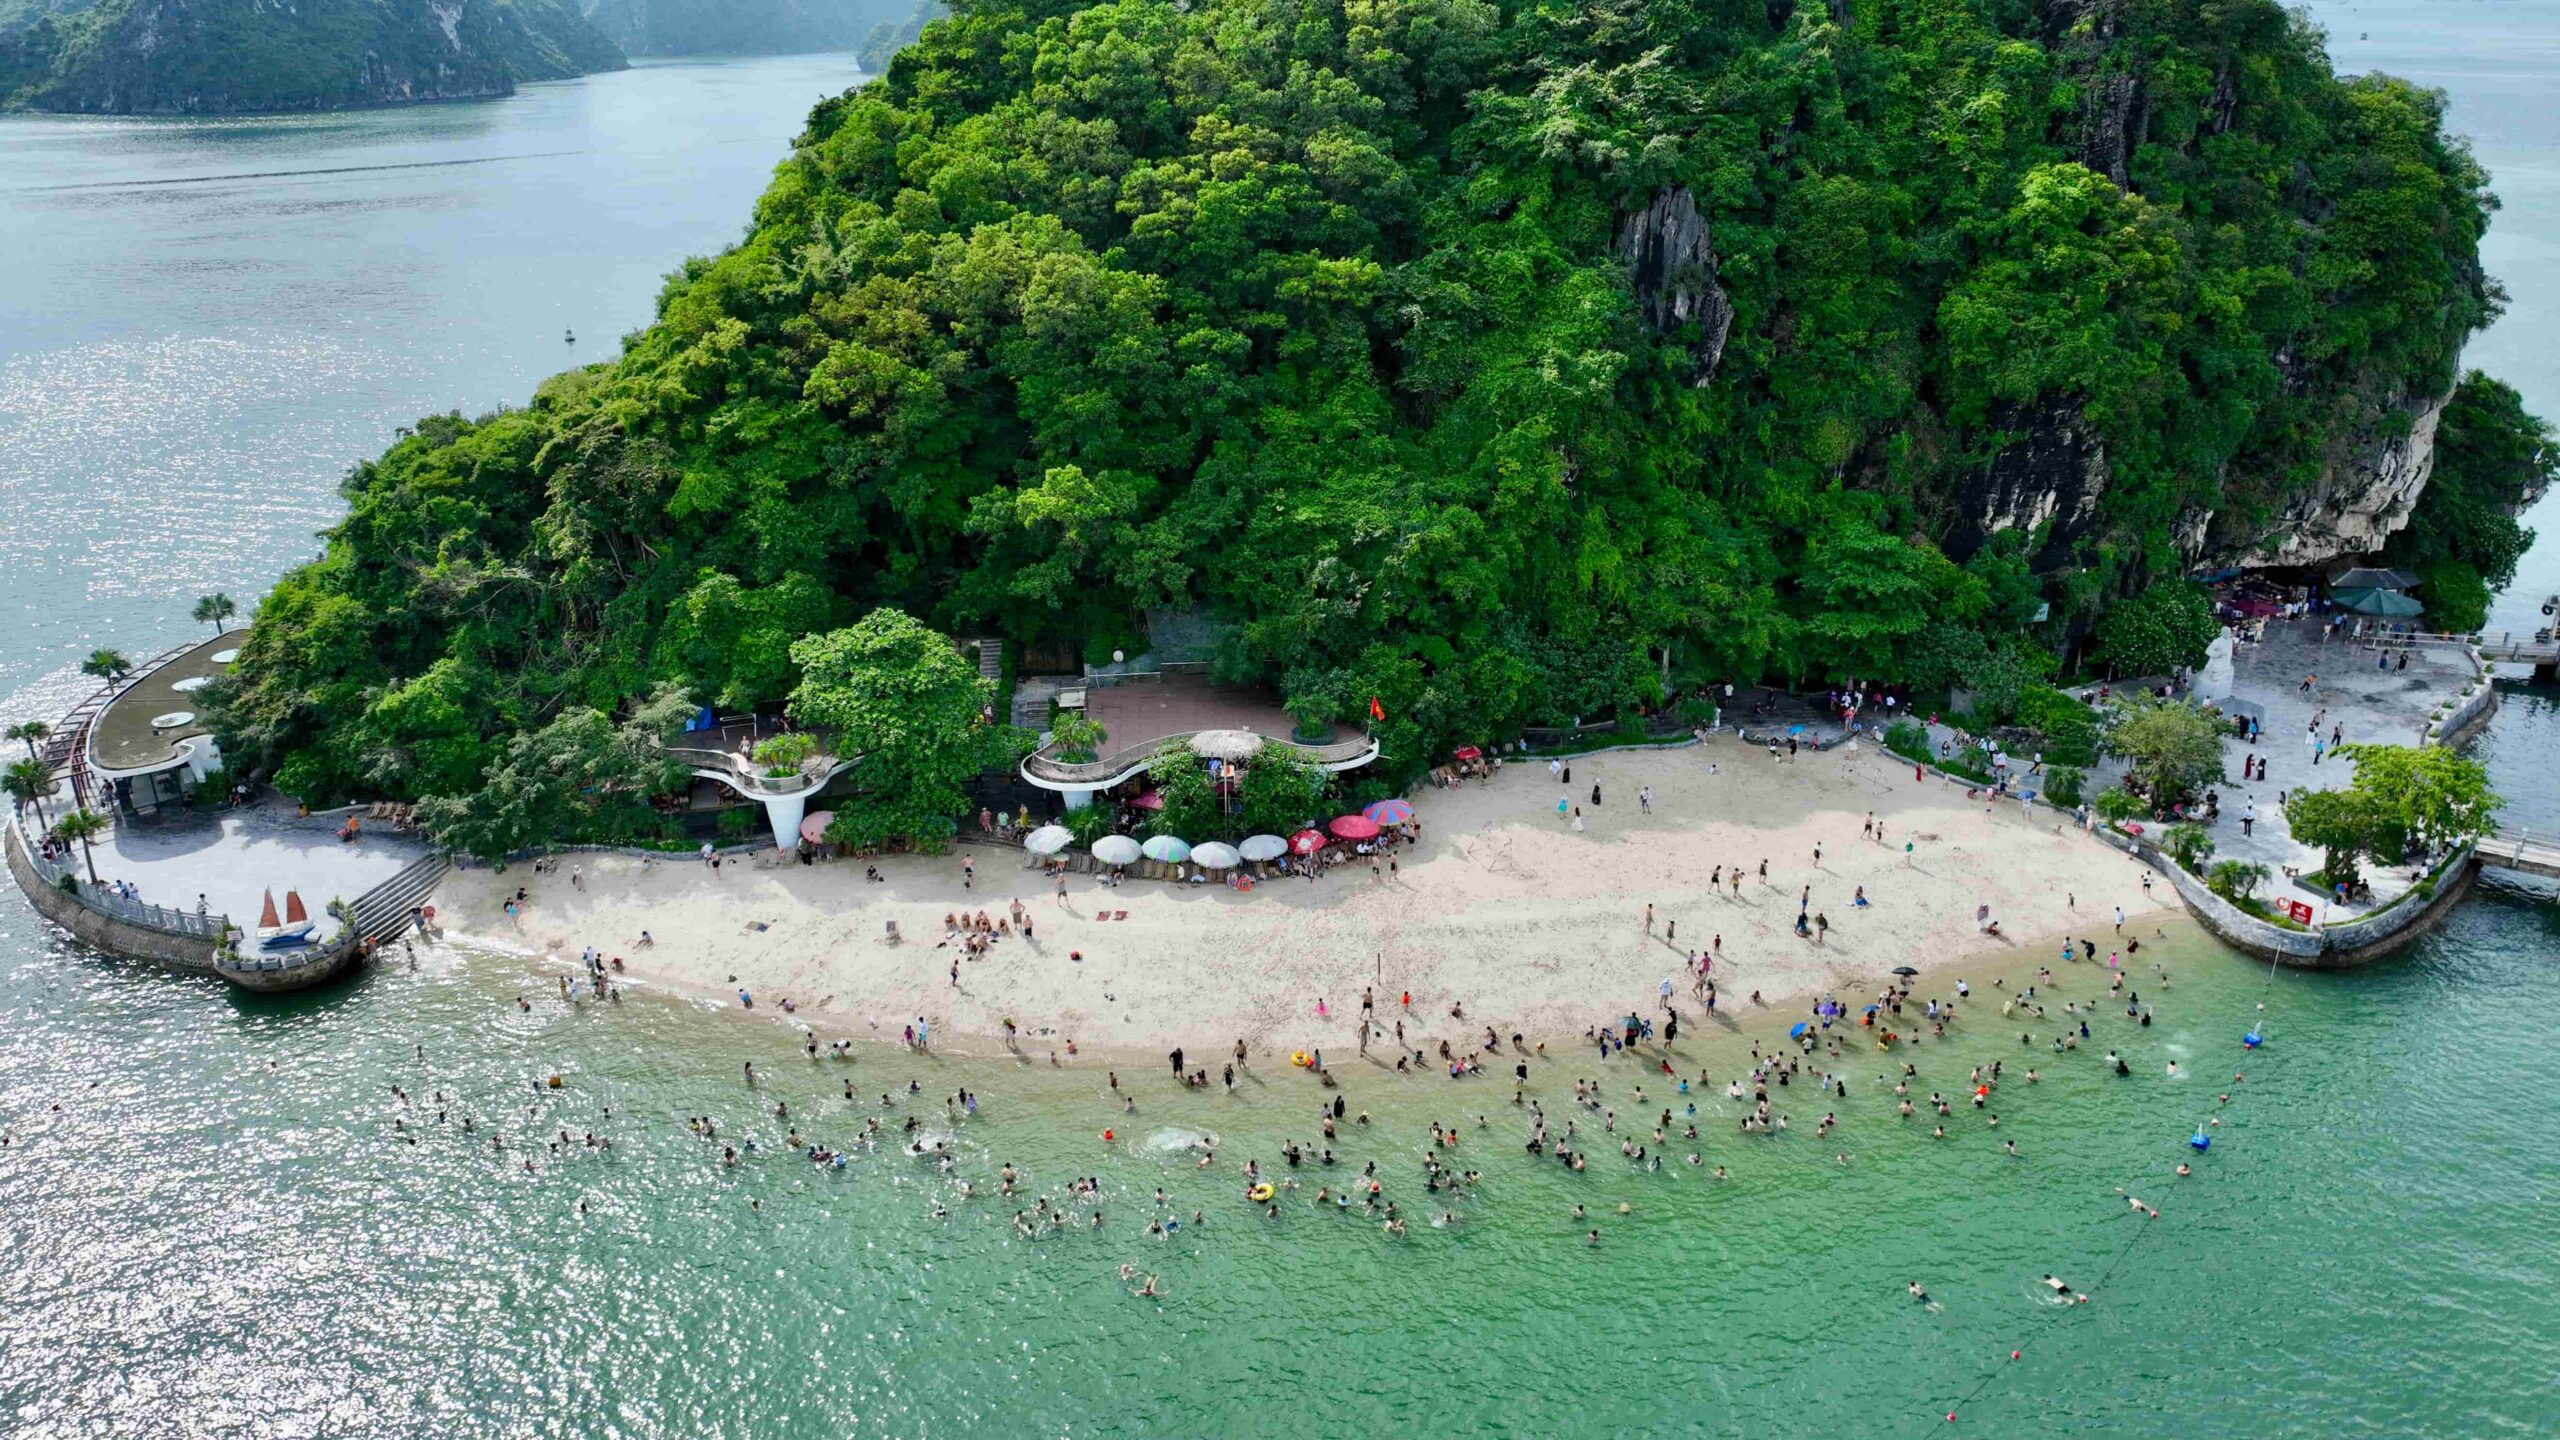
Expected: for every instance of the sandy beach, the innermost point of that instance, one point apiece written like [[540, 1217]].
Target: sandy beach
[[1501, 908]]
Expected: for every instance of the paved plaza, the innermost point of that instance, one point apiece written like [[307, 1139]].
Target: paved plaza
[[229, 858]]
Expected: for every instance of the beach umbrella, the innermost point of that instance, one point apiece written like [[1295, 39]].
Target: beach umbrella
[[1904, 970], [1307, 842], [813, 828], [1167, 849], [1116, 850], [1214, 856], [1263, 847], [1388, 812], [1467, 752], [1353, 827], [1048, 840], [1149, 801], [1798, 1032], [2389, 604], [1226, 744]]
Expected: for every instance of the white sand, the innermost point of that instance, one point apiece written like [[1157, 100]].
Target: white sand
[[1499, 908]]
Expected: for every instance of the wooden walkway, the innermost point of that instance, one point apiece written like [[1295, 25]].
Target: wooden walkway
[[2522, 850]]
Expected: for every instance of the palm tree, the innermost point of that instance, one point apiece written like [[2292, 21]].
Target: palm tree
[[215, 608], [83, 826], [31, 732], [28, 781], [108, 665]]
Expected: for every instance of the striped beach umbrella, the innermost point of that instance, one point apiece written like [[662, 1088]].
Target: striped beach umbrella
[[1388, 812]]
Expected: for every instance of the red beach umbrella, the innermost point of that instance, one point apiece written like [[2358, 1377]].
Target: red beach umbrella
[[1306, 842], [1468, 752], [1353, 827], [1152, 800]]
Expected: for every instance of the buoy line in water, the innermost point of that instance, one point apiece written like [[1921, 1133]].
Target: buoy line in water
[[2254, 1037]]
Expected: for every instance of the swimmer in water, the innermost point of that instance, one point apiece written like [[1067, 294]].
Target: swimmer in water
[[1919, 1294], [2063, 1292], [1148, 1291]]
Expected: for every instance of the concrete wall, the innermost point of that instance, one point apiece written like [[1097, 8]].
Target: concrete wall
[[98, 925], [2334, 947]]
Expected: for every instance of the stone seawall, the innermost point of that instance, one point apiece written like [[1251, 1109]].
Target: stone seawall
[[95, 926]]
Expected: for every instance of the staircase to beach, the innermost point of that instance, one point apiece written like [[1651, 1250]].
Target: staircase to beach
[[383, 911]]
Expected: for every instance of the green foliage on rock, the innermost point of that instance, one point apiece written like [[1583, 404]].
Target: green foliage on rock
[[2492, 460], [1324, 321], [176, 57]]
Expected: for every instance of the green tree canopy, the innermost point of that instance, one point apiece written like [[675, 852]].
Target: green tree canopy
[[907, 709], [2175, 749], [2164, 628], [1343, 326]]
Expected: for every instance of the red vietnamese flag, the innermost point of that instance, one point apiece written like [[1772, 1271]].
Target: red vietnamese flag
[[1375, 712]]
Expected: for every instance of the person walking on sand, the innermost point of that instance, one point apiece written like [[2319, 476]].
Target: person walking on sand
[[1644, 800], [1595, 794], [1577, 819]]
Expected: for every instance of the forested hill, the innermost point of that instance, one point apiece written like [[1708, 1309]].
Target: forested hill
[[1497, 360], [739, 27], [211, 57]]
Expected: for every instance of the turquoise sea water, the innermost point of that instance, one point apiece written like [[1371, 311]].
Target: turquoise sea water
[[226, 1230]]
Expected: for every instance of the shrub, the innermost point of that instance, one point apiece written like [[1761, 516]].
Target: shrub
[[2122, 804], [782, 755], [2235, 880], [1697, 711], [1077, 735], [1088, 823], [2189, 846], [737, 822], [2062, 784], [1909, 740]]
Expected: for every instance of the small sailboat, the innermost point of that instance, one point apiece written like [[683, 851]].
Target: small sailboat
[[296, 927]]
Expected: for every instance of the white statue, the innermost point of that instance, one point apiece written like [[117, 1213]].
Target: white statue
[[2213, 682]]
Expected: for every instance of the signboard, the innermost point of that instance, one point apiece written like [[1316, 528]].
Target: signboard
[[2300, 912]]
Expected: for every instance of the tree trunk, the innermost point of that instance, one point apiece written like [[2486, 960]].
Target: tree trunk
[[92, 857]]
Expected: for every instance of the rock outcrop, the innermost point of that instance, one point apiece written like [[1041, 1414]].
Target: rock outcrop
[[1671, 262], [2054, 470], [2364, 495]]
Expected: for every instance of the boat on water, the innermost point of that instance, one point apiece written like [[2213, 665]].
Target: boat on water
[[294, 929]]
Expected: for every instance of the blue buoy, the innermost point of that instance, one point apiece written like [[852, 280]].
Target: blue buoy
[[2253, 1039], [2200, 1140]]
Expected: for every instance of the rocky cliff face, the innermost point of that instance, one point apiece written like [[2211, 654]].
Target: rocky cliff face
[[207, 57], [2364, 495], [1671, 262], [2055, 470]]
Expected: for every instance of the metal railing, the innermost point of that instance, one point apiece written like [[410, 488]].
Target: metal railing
[[104, 901], [1045, 765]]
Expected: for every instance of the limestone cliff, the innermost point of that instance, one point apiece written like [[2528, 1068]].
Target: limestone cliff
[[2053, 472], [2366, 491], [1671, 262], [211, 57]]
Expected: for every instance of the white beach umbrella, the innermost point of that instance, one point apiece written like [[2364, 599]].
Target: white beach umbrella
[[1226, 744], [1116, 850], [1167, 849], [1048, 840], [1214, 856], [1263, 847]]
